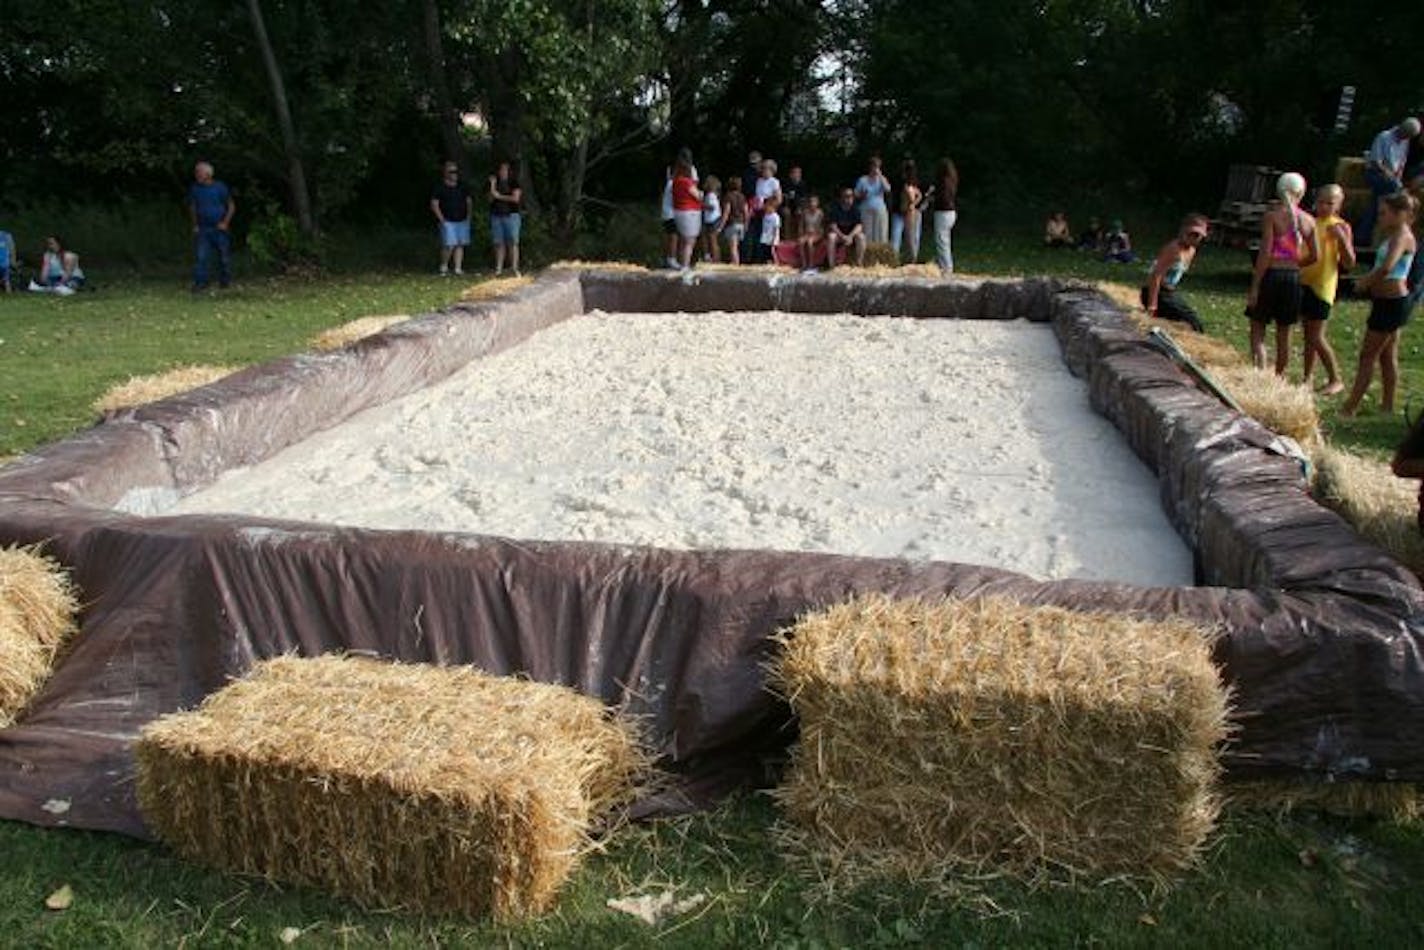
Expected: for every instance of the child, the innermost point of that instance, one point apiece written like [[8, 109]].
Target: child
[[813, 226], [1092, 238], [7, 258], [770, 231], [1159, 294], [711, 218], [1389, 292], [734, 220], [1056, 232], [1117, 245], [1335, 252]]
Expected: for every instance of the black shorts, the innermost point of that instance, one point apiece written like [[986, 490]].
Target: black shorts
[[669, 225], [1388, 314], [1311, 306], [1278, 300], [1171, 306]]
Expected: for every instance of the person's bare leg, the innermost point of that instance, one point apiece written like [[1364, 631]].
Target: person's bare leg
[[860, 252], [498, 259], [1283, 335], [1389, 371], [1322, 348], [734, 252], [1364, 373], [1310, 335], [831, 252], [445, 259], [514, 257], [458, 258], [1258, 344]]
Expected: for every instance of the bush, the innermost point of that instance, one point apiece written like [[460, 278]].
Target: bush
[[275, 241]]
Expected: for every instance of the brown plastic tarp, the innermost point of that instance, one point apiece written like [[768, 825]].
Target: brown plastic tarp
[[1320, 631]]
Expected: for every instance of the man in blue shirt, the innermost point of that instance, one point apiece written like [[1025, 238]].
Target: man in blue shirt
[[1384, 171], [211, 206]]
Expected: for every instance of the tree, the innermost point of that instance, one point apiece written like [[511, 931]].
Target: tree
[[291, 147]]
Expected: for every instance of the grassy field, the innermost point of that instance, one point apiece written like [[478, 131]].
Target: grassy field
[[1266, 882]]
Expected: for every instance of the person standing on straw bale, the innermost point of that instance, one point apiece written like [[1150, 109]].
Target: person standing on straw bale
[[871, 190], [793, 201], [505, 197], [211, 208], [1384, 169], [711, 219], [1159, 295], [1387, 285], [770, 231], [1287, 244], [734, 220], [946, 196], [905, 224], [1319, 281], [686, 210], [452, 205], [846, 231], [767, 187]]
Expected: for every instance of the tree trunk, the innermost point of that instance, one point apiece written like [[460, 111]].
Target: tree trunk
[[505, 112], [296, 174], [449, 117]]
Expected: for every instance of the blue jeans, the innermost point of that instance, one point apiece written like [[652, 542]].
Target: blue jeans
[[1380, 185], [211, 241]]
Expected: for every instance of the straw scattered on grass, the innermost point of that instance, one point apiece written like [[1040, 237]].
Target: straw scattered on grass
[[437, 788], [623, 266], [1278, 405], [141, 390], [334, 338], [983, 737], [1395, 801], [495, 287], [880, 254], [38, 606], [1381, 506]]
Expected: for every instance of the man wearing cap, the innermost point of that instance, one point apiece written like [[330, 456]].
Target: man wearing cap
[[1384, 169]]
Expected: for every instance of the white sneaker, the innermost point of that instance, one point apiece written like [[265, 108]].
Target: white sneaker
[[443, 272], [459, 273]]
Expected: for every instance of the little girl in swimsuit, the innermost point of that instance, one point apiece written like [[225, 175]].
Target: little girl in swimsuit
[[1389, 292], [1287, 244]]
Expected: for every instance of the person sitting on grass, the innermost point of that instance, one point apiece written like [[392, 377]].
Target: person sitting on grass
[[812, 232], [770, 231], [1387, 285], [1056, 231], [1117, 245], [7, 258], [1334, 252], [845, 231], [1159, 294], [1092, 237], [60, 272]]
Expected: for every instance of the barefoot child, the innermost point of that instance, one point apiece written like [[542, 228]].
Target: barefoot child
[[711, 218], [1159, 294], [770, 231], [734, 220], [813, 232], [1287, 245], [1334, 252], [1389, 292]]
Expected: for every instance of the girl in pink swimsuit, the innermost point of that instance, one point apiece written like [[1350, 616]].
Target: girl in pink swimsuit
[[1287, 244]]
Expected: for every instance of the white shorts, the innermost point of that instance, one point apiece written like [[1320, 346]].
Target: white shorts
[[689, 223]]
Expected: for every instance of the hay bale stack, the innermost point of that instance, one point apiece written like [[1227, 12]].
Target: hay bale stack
[[495, 287], [141, 390], [879, 254], [38, 606], [1278, 405], [1395, 801], [442, 789], [334, 338], [988, 736], [1381, 506]]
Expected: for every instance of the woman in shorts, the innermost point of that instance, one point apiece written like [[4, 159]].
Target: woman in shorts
[[1334, 252], [1388, 288], [686, 210], [1287, 243]]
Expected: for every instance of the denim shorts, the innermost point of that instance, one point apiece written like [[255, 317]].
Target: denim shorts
[[504, 228], [455, 233]]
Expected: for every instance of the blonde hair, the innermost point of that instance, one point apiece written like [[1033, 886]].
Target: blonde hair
[[1291, 185], [1332, 191]]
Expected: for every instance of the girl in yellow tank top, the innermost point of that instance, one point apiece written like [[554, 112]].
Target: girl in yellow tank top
[[1319, 281]]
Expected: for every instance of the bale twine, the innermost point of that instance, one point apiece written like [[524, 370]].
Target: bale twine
[[1381, 506], [442, 789], [989, 737], [38, 606], [495, 287], [141, 390], [334, 338]]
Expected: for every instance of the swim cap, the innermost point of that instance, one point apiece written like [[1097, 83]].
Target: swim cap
[[1291, 184]]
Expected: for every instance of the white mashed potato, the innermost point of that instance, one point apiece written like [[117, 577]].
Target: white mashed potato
[[951, 440]]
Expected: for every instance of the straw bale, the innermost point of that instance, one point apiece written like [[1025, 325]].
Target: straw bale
[[880, 254], [1395, 801], [398, 785], [986, 737], [141, 390], [38, 606], [1278, 405], [495, 287], [898, 270], [1125, 297], [334, 338], [1350, 172], [621, 266], [1381, 506]]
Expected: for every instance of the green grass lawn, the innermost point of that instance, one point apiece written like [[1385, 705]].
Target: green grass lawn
[[1266, 882]]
